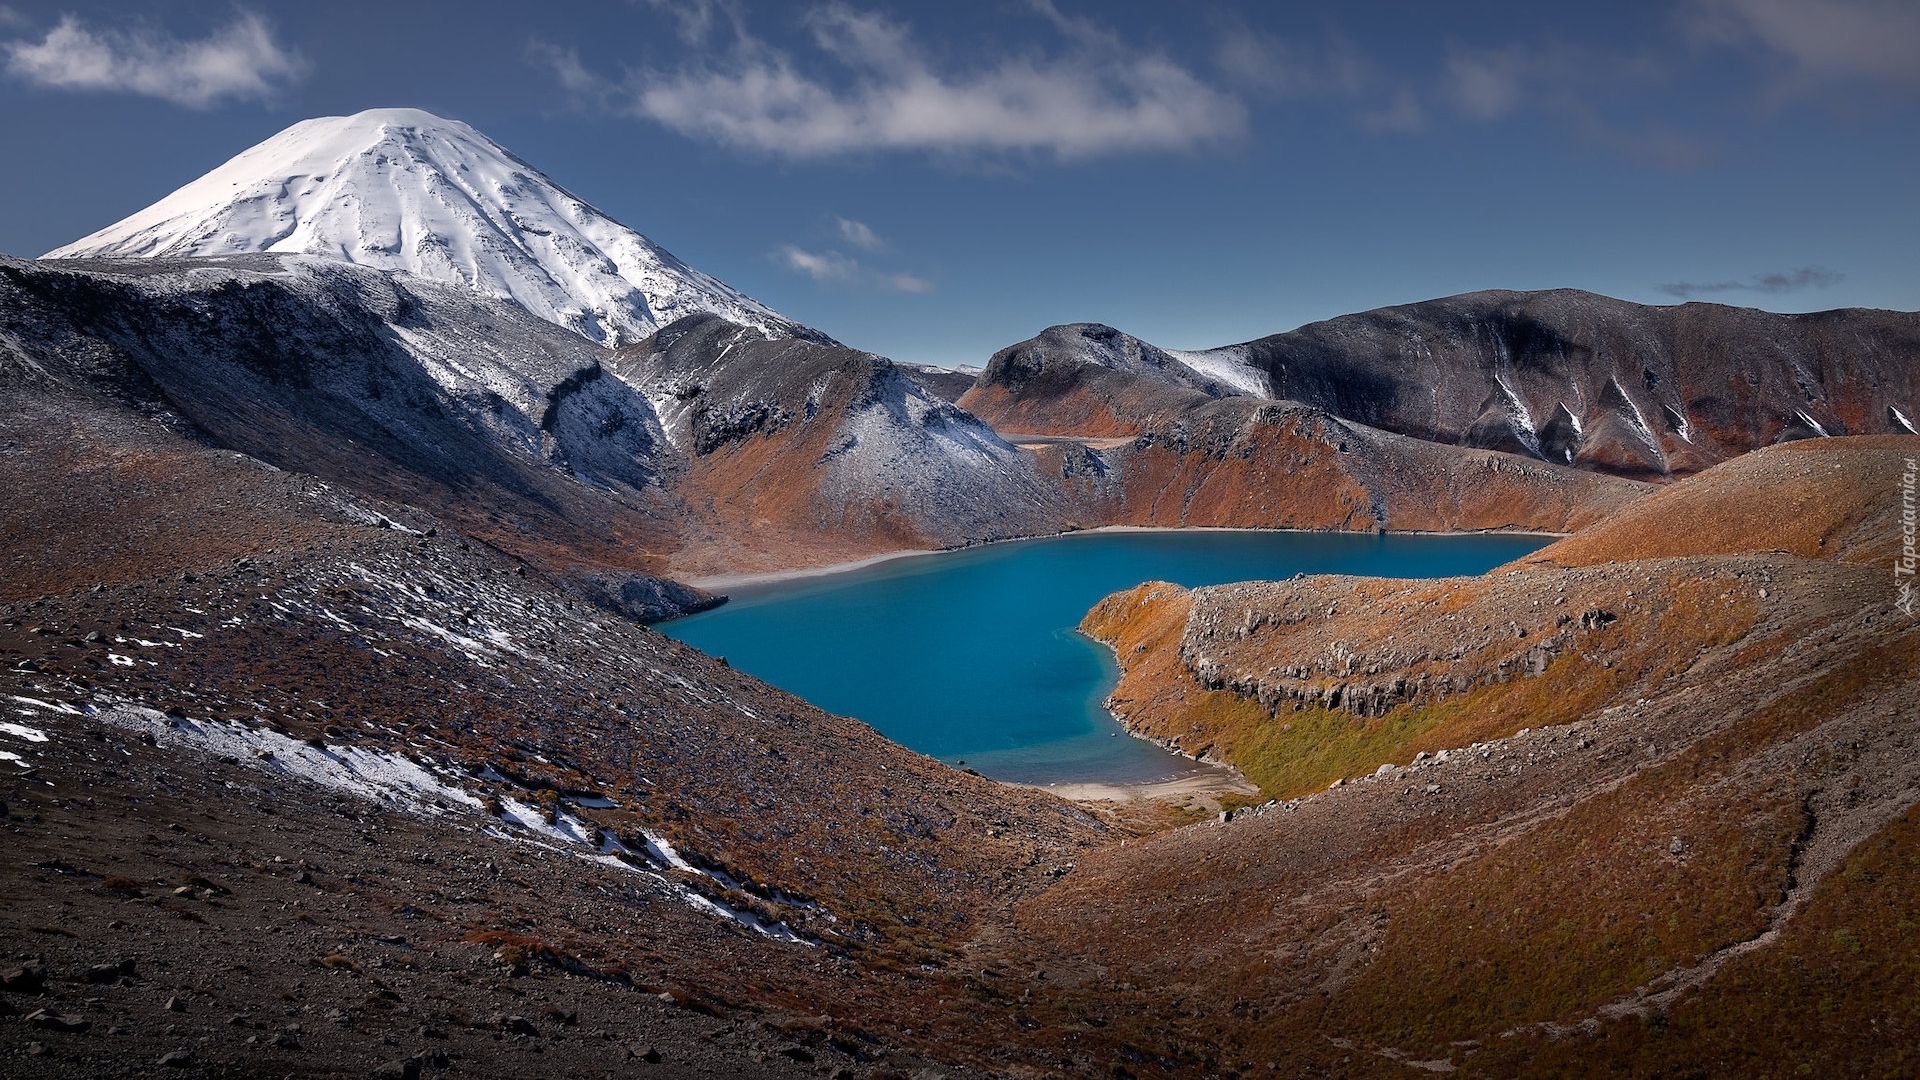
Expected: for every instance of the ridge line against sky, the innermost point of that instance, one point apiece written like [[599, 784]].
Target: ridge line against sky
[[934, 183]]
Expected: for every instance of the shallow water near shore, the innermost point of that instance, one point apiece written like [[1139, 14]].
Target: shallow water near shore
[[972, 656]]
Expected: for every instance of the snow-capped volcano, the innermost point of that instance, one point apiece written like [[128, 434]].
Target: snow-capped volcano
[[401, 189]]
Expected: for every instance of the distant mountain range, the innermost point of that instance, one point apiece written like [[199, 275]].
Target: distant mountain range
[[1563, 376], [351, 299]]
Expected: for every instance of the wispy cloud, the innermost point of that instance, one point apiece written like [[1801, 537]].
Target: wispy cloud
[[241, 61], [859, 235], [1823, 41], [1589, 94], [697, 19], [834, 268], [820, 266], [1092, 96], [906, 283], [1807, 277], [1272, 66], [1486, 84], [1401, 114]]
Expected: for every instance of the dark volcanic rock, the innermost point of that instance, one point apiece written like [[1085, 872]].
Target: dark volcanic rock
[[1565, 376], [640, 597], [1613, 386]]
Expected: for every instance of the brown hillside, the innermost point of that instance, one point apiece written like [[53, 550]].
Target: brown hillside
[[1536, 822], [1820, 499]]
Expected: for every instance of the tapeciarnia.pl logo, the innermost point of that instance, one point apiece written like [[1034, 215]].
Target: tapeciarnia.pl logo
[[1903, 567]]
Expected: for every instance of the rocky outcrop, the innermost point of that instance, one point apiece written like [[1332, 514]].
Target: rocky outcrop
[[803, 453], [1086, 379]]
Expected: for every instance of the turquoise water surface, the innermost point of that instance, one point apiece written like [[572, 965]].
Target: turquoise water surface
[[972, 655]]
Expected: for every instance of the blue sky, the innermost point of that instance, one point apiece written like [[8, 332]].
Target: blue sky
[[936, 181]]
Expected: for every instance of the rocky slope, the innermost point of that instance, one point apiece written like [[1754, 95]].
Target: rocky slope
[[800, 452], [291, 789], [1577, 815], [419, 394], [402, 189], [1242, 462], [776, 453], [1564, 376]]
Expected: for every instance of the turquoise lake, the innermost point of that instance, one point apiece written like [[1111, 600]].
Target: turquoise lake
[[972, 656]]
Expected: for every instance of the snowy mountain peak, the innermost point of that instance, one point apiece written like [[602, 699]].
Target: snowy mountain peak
[[402, 189]]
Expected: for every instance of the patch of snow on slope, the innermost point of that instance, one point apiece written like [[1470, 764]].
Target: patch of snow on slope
[[1638, 421], [22, 731], [1228, 366], [395, 779], [1901, 418], [1681, 425], [402, 189], [1518, 419], [370, 775]]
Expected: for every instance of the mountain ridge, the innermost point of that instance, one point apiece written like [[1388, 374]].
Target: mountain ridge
[[1576, 378], [402, 189]]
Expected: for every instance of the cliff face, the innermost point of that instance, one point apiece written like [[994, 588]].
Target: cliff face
[[1562, 376], [1522, 815]]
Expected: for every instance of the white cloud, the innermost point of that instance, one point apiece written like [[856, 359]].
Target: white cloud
[[820, 266], [241, 61], [906, 283], [697, 18], [574, 77], [832, 267], [1097, 96], [859, 235], [1825, 40]]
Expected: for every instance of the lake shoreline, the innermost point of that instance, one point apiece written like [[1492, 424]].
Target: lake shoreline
[[721, 582], [978, 657], [1207, 786]]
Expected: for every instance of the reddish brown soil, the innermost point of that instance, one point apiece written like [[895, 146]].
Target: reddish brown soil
[[1819, 499], [1611, 842]]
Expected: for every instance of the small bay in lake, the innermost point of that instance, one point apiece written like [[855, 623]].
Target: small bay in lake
[[973, 655]]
